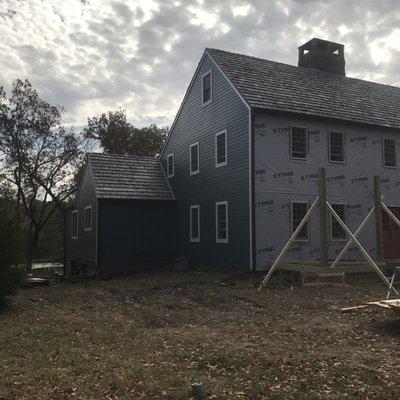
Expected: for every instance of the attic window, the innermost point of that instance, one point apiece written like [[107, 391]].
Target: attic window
[[170, 165], [207, 88], [389, 153], [299, 143]]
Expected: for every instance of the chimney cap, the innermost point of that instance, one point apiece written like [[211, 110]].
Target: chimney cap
[[321, 44], [323, 55]]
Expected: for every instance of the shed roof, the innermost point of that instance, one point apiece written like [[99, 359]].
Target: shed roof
[[129, 177], [275, 86]]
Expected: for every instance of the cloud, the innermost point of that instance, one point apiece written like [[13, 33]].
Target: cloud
[[94, 55]]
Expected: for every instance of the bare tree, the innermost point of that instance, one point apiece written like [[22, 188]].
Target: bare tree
[[38, 157]]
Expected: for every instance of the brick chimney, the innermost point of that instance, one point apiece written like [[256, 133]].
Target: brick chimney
[[323, 55]]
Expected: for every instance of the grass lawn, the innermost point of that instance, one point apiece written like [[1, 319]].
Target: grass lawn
[[149, 336]]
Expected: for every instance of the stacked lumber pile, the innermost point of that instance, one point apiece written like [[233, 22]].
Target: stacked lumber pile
[[393, 304]]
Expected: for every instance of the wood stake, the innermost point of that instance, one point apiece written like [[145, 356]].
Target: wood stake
[[323, 218], [287, 245], [378, 217], [366, 255], [348, 244]]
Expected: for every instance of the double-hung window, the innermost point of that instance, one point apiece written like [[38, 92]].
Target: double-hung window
[[389, 153], [221, 151], [299, 210], [221, 221], [206, 83], [194, 158], [337, 232], [299, 143], [75, 224], [88, 218], [170, 165], [337, 146], [195, 223]]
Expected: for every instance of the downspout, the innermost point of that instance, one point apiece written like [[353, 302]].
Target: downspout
[[252, 191], [97, 236]]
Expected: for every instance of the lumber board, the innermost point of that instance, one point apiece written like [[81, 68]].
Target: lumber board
[[379, 303], [354, 308], [393, 304]]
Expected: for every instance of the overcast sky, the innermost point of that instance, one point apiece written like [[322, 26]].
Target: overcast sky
[[95, 55]]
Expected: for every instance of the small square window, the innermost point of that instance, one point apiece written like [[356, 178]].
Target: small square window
[[74, 224], [207, 88], [88, 218], [221, 220], [337, 146], [299, 210], [195, 223], [194, 158], [299, 143], [389, 153], [221, 149], [337, 232], [170, 165]]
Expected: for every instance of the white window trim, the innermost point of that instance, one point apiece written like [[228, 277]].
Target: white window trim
[[218, 240], [383, 153], [88, 229], [77, 225], [171, 175], [224, 132], [307, 143], [301, 240], [194, 240], [344, 148], [211, 88], [331, 226], [198, 158]]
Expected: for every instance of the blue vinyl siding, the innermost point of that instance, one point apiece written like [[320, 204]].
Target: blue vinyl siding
[[131, 231], [83, 248], [197, 123]]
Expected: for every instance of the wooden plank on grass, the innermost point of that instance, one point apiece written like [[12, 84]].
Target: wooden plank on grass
[[354, 308]]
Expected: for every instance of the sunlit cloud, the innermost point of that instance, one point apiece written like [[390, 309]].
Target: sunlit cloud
[[95, 55]]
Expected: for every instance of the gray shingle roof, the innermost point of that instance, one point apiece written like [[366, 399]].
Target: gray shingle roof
[[280, 87], [129, 177]]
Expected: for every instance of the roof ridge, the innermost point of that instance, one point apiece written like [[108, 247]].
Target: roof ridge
[[302, 68], [120, 155], [249, 56]]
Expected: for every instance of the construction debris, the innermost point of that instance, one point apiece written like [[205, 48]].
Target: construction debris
[[386, 304]]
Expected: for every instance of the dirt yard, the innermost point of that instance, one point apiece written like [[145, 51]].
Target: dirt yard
[[151, 335]]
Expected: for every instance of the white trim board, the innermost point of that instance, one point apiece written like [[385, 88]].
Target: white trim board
[[173, 165], [196, 171], [217, 239], [171, 131], [251, 208], [165, 176], [89, 229], [221, 164], [197, 240], [203, 104]]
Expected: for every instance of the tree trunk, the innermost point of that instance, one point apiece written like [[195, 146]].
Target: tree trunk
[[32, 241]]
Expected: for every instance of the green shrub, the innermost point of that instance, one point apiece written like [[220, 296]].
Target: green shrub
[[12, 252]]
